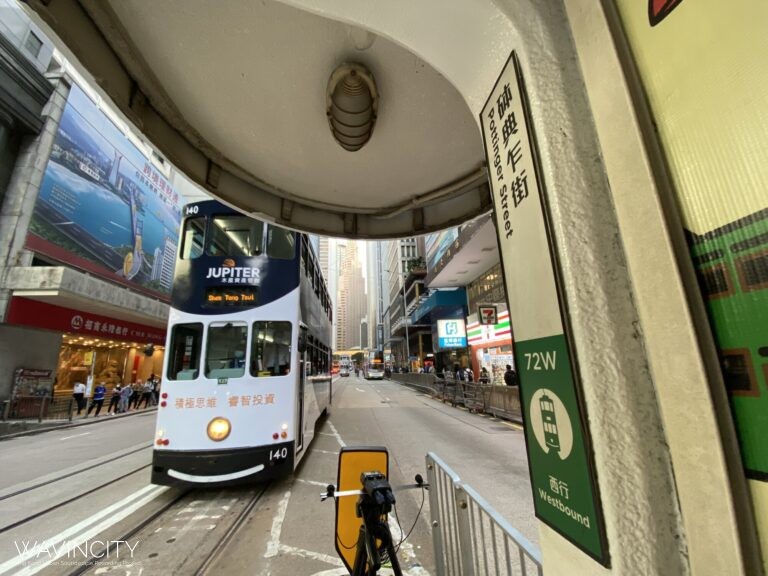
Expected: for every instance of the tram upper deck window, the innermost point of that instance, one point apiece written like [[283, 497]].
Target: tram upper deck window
[[192, 238], [271, 349], [235, 236], [184, 359], [225, 356], [281, 243]]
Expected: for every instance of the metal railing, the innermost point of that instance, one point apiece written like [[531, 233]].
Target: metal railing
[[470, 538], [500, 401], [38, 408]]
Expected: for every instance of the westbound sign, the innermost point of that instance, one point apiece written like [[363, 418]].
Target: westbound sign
[[564, 484]]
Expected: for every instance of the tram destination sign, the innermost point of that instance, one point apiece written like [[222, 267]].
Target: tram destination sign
[[565, 489], [224, 296]]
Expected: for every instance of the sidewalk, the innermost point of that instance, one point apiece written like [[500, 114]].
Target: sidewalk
[[14, 428]]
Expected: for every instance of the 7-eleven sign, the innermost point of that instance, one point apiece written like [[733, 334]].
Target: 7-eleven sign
[[487, 315]]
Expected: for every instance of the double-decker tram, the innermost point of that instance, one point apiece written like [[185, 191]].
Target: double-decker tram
[[248, 355]]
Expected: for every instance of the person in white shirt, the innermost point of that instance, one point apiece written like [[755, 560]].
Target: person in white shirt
[[78, 393]]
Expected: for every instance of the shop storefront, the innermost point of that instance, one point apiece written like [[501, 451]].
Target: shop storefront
[[491, 346], [94, 348]]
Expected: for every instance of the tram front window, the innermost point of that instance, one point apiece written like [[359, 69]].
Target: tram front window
[[192, 238], [184, 358], [281, 243], [271, 349], [225, 356], [235, 236]]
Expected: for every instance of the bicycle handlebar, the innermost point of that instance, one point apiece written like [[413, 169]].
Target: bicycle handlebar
[[331, 491]]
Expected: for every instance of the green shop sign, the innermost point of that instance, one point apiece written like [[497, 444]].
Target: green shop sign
[[565, 491]]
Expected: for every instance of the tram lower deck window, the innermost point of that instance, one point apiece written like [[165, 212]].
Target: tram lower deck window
[[271, 349]]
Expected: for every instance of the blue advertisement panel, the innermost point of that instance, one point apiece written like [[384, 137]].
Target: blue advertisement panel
[[103, 206]]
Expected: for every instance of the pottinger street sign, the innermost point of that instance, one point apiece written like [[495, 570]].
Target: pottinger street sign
[[562, 472], [487, 315]]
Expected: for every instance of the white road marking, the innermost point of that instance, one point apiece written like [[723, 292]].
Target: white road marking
[[273, 546], [75, 436], [332, 560], [336, 434], [359, 389], [325, 452], [113, 514], [313, 482]]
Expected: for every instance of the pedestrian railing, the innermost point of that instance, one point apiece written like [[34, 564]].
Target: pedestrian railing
[[499, 401], [470, 538], [38, 408]]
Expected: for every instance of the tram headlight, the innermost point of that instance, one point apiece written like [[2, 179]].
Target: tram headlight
[[218, 429]]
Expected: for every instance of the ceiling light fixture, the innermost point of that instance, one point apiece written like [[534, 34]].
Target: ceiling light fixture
[[351, 104]]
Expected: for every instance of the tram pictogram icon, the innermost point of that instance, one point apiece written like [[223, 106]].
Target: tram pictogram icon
[[551, 424], [551, 437]]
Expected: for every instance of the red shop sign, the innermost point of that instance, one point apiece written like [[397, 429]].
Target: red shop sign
[[43, 315]]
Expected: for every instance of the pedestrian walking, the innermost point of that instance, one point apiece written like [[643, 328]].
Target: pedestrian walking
[[155, 389], [146, 395], [125, 399], [98, 399], [458, 373], [484, 376], [135, 394], [78, 393], [510, 378], [114, 401]]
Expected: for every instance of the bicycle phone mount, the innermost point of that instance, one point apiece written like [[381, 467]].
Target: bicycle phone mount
[[366, 518]]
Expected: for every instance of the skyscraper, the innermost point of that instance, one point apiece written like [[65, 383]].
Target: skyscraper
[[352, 304]]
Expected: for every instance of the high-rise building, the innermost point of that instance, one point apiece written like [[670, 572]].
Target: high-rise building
[[364, 333], [375, 281], [352, 304], [398, 256]]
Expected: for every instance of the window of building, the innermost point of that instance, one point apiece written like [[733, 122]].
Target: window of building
[[184, 353], [271, 349], [487, 288], [235, 236], [192, 238], [225, 354], [33, 45]]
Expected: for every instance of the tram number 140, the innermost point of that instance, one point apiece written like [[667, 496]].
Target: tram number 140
[[278, 453]]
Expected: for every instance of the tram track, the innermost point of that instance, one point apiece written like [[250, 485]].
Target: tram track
[[89, 492], [73, 473], [164, 516]]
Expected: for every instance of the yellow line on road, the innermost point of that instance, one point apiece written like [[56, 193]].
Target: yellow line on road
[[511, 425]]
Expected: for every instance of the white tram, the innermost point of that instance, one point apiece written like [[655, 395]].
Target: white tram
[[248, 354]]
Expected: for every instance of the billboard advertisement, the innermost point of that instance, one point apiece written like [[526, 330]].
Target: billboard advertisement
[[103, 206], [436, 244], [451, 333]]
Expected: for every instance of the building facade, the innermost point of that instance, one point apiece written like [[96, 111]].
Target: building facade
[[87, 214]]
